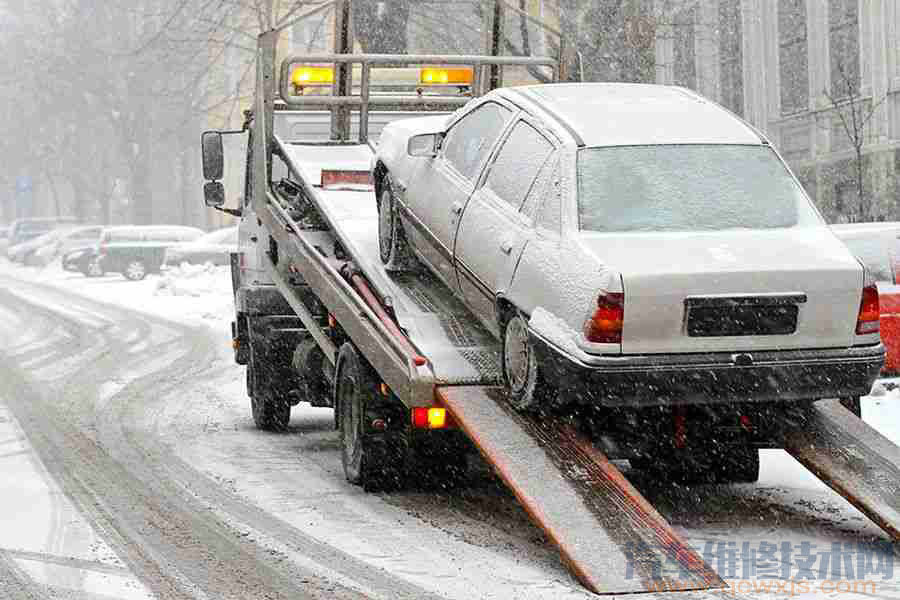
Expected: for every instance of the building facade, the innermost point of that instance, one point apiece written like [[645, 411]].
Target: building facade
[[821, 78]]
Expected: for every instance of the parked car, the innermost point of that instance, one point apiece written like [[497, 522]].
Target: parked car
[[78, 237], [215, 247], [43, 249], [878, 247], [629, 245], [22, 230], [135, 251]]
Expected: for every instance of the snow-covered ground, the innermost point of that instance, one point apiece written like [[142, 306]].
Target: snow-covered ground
[[466, 539]]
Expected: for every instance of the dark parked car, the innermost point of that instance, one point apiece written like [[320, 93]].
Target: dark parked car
[[215, 247], [136, 251]]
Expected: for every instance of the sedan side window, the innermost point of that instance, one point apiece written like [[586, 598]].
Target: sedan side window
[[549, 217], [472, 137], [517, 165]]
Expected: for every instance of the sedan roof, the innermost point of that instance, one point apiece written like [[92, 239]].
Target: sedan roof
[[631, 114]]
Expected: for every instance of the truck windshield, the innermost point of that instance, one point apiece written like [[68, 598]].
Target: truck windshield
[[688, 188]]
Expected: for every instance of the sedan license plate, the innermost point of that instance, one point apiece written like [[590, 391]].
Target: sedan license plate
[[741, 317]]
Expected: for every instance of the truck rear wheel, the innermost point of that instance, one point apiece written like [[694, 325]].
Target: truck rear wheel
[[370, 458]]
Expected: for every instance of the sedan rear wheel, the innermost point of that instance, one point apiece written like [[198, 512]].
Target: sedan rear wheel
[[135, 270], [524, 378]]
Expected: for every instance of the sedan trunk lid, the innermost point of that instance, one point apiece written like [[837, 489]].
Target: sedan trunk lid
[[735, 290]]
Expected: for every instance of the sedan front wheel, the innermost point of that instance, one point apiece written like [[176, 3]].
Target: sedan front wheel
[[393, 247]]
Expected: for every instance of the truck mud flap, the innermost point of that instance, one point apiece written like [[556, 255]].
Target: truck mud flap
[[610, 537], [852, 458]]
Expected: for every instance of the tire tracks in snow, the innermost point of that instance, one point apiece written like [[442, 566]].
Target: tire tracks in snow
[[152, 508]]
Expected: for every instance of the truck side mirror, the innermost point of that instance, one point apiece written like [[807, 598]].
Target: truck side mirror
[[424, 145], [213, 156], [214, 194]]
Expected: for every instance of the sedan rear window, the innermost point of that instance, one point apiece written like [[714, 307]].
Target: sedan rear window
[[688, 188]]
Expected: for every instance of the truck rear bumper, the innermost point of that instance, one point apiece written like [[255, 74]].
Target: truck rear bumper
[[669, 379]]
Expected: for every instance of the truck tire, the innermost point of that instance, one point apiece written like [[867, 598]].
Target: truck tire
[[393, 247], [370, 458], [270, 413]]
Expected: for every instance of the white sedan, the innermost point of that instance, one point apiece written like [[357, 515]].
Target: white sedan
[[630, 245]]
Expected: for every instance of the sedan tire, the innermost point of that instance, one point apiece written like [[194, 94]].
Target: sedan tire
[[135, 270], [94, 269], [393, 247], [524, 377]]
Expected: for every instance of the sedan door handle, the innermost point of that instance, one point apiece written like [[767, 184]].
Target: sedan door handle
[[506, 247], [456, 208]]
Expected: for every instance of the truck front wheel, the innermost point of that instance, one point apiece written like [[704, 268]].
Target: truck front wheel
[[270, 413], [369, 456]]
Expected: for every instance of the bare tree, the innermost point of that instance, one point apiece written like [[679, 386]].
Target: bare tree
[[854, 114]]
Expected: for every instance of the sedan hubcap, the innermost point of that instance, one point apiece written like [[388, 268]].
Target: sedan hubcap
[[516, 355], [135, 270]]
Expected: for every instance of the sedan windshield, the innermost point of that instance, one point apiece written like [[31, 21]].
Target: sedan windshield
[[688, 188]]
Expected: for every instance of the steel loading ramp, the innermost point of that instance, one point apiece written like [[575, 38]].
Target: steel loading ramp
[[852, 458], [611, 538]]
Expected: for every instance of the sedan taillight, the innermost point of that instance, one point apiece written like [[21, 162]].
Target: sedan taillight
[[869, 312], [605, 325]]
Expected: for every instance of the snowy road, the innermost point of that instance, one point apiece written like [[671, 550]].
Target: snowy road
[[134, 471]]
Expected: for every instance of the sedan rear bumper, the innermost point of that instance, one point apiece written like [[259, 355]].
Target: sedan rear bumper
[[710, 378]]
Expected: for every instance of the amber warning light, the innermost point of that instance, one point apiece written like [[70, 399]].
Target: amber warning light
[[446, 76], [312, 76]]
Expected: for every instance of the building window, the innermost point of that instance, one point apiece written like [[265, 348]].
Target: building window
[[843, 47], [731, 56], [793, 56]]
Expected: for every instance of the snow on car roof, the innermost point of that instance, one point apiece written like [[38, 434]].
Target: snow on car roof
[[629, 114]]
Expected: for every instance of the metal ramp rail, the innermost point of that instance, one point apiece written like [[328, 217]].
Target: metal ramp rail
[[851, 458], [607, 533]]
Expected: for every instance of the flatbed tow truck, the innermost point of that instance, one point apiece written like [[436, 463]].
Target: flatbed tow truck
[[411, 375]]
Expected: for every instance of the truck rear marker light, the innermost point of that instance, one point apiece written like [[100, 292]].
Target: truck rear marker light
[[433, 417], [605, 325], [420, 361], [869, 313], [384, 390]]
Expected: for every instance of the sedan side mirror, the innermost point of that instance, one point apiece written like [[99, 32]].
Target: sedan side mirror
[[424, 145], [214, 194], [213, 156]]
